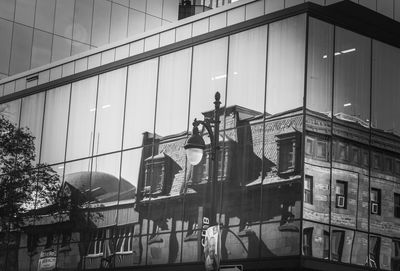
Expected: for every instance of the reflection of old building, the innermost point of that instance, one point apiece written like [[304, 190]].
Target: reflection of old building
[[309, 165]]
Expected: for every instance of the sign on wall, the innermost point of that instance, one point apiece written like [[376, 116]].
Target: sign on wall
[[212, 248], [47, 260]]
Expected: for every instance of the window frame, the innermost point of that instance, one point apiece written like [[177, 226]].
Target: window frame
[[376, 201], [310, 190], [344, 194], [396, 210]]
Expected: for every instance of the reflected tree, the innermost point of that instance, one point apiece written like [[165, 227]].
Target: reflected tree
[[23, 184]]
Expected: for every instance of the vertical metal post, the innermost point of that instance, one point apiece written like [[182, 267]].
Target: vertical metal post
[[215, 147]]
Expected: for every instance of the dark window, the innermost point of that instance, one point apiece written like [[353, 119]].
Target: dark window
[[288, 147], [193, 230], [396, 205], [322, 150], [309, 146], [65, 241], [123, 236], [158, 175], [326, 245], [49, 240], [396, 255], [337, 244], [375, 201], [365, 159], [397, 167], [96, 242], [33, 240], [307, 241], [343, 152], [308, 189], [374, 250], [388, 164], [341, 194], [377, 164], [355, 155]]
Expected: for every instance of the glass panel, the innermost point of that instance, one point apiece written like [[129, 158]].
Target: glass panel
[[136, 22], [167, 37], [25, 12], [173, 87], [320, 66], [273, 5], [41, 50], [11, 111], [110, 109], [316, 240], [5, 45], [152, 22], [289, 3], [55, 125], [63, 18], [341, 245], [140, 97], [254, 10], [101, 22], [170, 10], [32, 118], [81, 118], [119, 22], [236, 15], [385, 80], [286, 58], [278, 242], [247, 63], [7, 8], [154, 7], [44, 18], [200, 27], [385, 7], [131, 170], [217, 21], [138, 4], [21, 49], [78, 47], [61, 48], [208, 76], [183, 32], [83, 20], [352, 77]]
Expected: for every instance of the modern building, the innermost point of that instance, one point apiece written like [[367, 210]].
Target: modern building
[[309, 158]]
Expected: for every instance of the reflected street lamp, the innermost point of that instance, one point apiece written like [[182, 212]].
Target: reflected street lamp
[[195, 146]]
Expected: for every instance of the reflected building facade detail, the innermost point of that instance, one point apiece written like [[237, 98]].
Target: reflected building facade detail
[[308, 164]]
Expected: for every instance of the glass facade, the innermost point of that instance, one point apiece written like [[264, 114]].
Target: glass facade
[[308, 164], [37, 32]]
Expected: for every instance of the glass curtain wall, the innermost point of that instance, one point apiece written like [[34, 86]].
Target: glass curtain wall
[[115, 141], [350, 178]]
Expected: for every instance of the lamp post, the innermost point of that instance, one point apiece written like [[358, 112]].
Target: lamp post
[[195, 146]]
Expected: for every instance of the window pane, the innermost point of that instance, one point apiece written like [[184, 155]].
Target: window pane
[[130, 170], [81, 118], [140, 98], [110, 109], [136, 22], [7, 8], [63, 18], [41, 49], [77, 47], [45, 15], [83, 20], [5, 45], [32, 117], [21, 49], [286, 56], [101, 22], [247, 63], [152, 22], [154, 7], [61, 48], [25, 12], [11, 111], [385, 82], [352, 76], [208, 76], [119, 22], [320, 63], [55, 125], [173, 88]]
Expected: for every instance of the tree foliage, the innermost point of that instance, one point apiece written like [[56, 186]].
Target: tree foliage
[[24, 185]]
